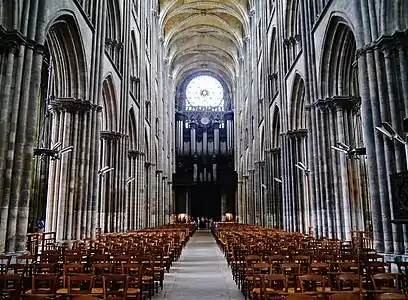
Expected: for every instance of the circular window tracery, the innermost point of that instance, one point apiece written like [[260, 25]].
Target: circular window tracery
[[204, 90]]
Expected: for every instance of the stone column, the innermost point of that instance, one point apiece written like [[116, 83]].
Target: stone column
[[257, 195], [159, 200], [346, 213], [251, 196], [371, 153], [245, 212], [238, 206]]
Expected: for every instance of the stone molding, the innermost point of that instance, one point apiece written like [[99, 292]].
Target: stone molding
[[111, 135], [385, 41], [134, 153], [70, 104], [337, 102]]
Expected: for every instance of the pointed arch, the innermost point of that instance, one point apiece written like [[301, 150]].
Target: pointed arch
[[338, 58], [293, 18], [147, 145], [134, 59], [113, 21], [273, 53], [9, 14], [298, 120], [276, 128], [109, 111], [132, 129], [66, 50], [393, 16], [263, 145]]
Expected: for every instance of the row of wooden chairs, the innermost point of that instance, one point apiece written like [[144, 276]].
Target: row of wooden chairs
[[254, 253], [125, 256]]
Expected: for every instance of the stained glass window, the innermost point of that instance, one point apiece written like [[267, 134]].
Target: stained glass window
[[204, 90]]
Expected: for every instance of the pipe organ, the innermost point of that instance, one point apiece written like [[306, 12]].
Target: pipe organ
[[205, 168], [204, 137]]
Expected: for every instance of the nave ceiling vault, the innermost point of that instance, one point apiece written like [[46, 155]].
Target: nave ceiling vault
[[204, 36]]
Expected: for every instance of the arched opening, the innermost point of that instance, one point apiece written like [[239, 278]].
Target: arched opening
[[275, 200], [297, 142], [339, 84], [113, 42], [110, 140], [61, 107], [205, 180], [133, 176]]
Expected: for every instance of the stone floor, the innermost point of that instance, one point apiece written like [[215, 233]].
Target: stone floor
[[200, 273]]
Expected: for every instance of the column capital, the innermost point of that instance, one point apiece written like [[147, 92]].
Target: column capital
[[70, 104], [133, 153], [273, 150], [111, 135], [260, 163], [297, 133]]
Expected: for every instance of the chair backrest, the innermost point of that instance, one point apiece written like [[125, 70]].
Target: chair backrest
[[115, 285], [348, 282], [322, 268], [310, 282], [80, 284], [384, 281], [261, 269], [132, 269], [277, 282], [10, 286], [44, 283], [44, 268]]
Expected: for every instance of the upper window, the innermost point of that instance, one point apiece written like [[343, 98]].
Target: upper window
[[204, 90]]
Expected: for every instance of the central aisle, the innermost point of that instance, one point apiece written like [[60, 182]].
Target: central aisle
[[200, 273]]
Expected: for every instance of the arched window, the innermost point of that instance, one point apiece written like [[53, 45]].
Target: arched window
[[204, 90]]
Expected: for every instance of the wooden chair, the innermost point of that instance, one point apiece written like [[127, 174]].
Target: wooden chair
[[248, 280], [158, 269], [114, 287], [4, 262], [349, 282], [44, 285], [321, 268], [312, 284], [10, 286], [134, 287], [274, 286], [80, 284], [70, 269], [146, 261], [385, 283], [44, 268]]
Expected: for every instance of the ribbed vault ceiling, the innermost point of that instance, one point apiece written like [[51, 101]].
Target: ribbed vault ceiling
[[204, 36]]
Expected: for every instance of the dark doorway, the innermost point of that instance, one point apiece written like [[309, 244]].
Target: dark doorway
[[206, 201]]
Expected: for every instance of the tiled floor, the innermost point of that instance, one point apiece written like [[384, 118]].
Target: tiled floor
[[200, 273]]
